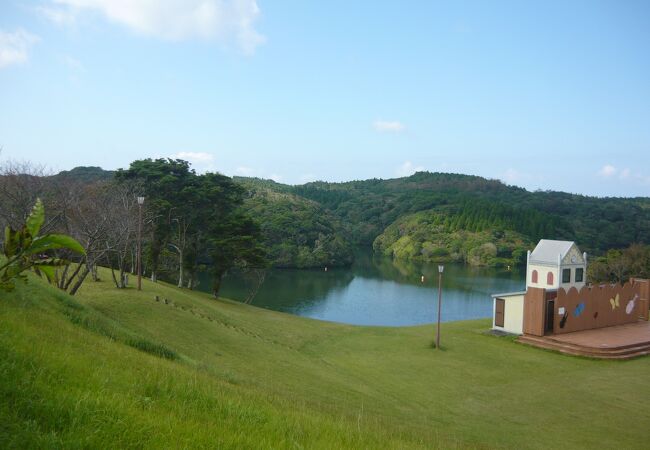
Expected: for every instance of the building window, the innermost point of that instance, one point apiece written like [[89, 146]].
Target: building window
[[566, 275], [549, 278], [534, 276], [579, 275]]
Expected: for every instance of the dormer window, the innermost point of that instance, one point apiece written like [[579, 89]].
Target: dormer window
[[534, 277], [566, 276], [549, 278]]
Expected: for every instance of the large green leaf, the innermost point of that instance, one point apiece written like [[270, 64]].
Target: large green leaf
[[48, 268], [36, 218], [15, 242], [54, 262], [55, 241], [9, 245], [20, 247], [48, 271]]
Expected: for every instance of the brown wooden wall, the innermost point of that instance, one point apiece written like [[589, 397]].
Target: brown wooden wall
[[600, 306], [534, 302], [644, 291]]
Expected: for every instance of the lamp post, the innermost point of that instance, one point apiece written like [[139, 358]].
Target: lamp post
[[440, 270], [139, 257]]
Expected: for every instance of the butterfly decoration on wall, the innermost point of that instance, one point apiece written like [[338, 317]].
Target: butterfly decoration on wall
[[579, 308], [630, 305], [615, 302]]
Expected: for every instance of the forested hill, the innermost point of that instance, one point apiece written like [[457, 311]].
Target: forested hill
[[297, 232], [369, 206], [429, 216], [478, 205], [87, 174]]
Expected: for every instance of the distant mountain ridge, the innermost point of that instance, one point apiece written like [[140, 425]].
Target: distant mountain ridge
[[479, 221], [86, 174]]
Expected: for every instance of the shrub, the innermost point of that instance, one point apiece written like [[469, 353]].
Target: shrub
[[152, 348]]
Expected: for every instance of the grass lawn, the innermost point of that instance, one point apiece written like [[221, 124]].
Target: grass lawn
[[114, 368]]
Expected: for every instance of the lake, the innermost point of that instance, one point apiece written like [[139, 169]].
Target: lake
[[377, 291]]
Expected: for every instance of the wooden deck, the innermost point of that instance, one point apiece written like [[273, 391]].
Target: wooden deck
[[617, 342]]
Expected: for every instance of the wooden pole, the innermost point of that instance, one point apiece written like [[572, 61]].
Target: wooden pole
[[139, 263], [439, 308]]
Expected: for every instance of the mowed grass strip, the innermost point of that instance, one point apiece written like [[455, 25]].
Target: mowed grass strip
[[115, 368]]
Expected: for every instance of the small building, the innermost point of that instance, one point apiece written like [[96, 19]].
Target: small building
[[556, 264], [551, 265], [508, 314], [557, 299]]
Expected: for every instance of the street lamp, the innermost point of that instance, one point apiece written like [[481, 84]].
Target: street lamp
[[139, 264], [440, 270]]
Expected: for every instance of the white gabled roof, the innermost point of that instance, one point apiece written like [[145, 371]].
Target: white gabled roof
[[547, 251], [508, 294]]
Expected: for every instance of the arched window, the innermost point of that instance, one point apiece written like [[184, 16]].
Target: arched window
[[534, 276], [549, 278]]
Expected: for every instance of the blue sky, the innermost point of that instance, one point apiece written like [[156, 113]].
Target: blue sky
[[544, 95]]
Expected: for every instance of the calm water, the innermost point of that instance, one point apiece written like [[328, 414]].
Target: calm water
[[378, 291]]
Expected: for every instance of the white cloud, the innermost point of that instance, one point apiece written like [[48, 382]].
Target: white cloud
[[221, 20], [512, 175], [626, 174], [245, 171], [387, 125], [194, 157], [14, 47], [407, 168], [306, 178], [607, 171], [57, 14], [517, 177]]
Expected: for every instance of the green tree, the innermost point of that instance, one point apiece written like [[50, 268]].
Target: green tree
[[195, 216], [620, 265], [234, 243], [163, 181]]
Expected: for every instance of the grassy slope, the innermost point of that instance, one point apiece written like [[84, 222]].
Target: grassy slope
[[248, 377]]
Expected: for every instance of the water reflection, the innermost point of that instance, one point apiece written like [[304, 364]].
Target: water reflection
[[378, 291]]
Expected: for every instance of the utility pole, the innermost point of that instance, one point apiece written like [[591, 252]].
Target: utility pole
[[139, 262], [440, 270]]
